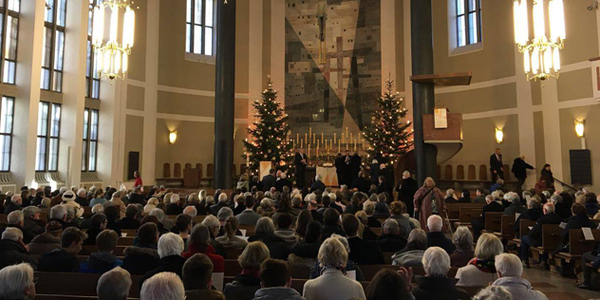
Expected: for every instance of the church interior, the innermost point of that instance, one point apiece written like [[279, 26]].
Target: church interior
[[474, 116]]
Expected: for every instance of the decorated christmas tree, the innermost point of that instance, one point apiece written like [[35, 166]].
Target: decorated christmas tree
[[388, 135], [267, 136]]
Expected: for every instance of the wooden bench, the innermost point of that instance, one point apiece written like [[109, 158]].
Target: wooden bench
[[89, 249], [126, 241], [578, 245], [507, 227], [493, 222], [524, 225], [550, 239], [77, 284], [68, 297]]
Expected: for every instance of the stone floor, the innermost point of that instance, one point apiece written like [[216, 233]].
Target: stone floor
[[556, 287]]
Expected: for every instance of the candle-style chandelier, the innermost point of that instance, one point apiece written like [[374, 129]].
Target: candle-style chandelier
[[541, 55], [113, 55]]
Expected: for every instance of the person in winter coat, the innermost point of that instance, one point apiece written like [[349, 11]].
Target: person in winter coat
[[510, 270], [68, 198], [412, 254], [265, 232], [480, 271], [98, 223], [143, 257], [12, 249], [197, 279], [47, 241], [435, 284], [520, 168], [170, 247], [199, 242], [276, 282], [64, 260], [428, 200], [245, 285], [104, 260]]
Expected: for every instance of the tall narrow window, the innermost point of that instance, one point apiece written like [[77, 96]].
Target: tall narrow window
[[92, 83], [7, 111], [48, 136], [468, 22], [200, 21], [89, 152], [54, 45], [9, 19]]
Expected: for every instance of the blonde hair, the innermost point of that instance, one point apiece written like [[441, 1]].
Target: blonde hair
[[488, 246], [332, 253], [253, 255]]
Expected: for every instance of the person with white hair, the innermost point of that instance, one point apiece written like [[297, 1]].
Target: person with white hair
[[190, 211], [116, 201], [435, 284], [494, 293], [170, 248], [510, 270], [17, 282], [214, 209], [214, 226], [265, 232], [16, 219], [15, 203], [174, 208], [492, 205], [163, 286], [59, 213], [463, 240], [390, 239], [69, 199], [534, 238], [412, 254], [318, 185], [152, 203], [451, 196], [283, 182], [481, 270], [81, 197], [515, 204], [162, 218], [435, 236], [332, 258], [114, 285], [12, 248]]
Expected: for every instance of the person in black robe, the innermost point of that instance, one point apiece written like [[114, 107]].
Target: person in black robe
[[339, 169], [496, 166], [300, 161], [375, 172], [547, 176], [355, 163], [347, 168], [519, 168], [388, 173], [406, 191]]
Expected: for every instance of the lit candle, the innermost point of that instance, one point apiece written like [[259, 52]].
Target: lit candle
[[309, 131], [346, 131], [314, 137], [354, 145], [301, 143], [297, 138], [340, 146], [334, 137], [322, 140], [306, 138]]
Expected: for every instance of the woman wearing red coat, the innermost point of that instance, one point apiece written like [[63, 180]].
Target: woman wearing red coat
[[429, 200], [199, 242]]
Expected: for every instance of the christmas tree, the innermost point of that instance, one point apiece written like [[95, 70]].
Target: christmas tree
[[388, 135], [267, 137]]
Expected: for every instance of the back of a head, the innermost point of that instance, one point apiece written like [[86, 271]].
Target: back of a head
[[200, 237], [114, 285], [508, 265], [13, 234], [98, 209], [131, 211], [578, 209], [97, 220], [274, 273], [249, 202], [331, 216], [313, 232], [106, 241], [158, 213], [15, 217], [418, 239], [264, 225], [15, 280], [163, 286], [397, 208], [462, 238], [147, 233], [170, 244], [435, 223], [390, 226], [197, 272], [436, 262], [58, 212], [72, 235], [182, 222], [112, 213], [494, 292], [351, 224], [253, 255], [387, 284], [211, 222], [488, 246], [224, 213], [283, 220], [332, 253]]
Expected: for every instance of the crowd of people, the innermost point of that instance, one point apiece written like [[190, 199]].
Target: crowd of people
[[329, 231]]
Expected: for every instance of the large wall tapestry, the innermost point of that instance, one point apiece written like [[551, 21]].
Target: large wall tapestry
[[333, 63]]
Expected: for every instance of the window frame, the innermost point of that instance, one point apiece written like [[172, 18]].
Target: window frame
[[49, 137], [189, 46], [6, 11], [466, 12], [87, 141], [91, 77], [10, 135], [54, 27]]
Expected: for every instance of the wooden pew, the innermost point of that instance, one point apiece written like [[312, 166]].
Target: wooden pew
[[126, 241], [78, 284], [507, 229], [387, 257], [297, 284], [88, 249], [578, 245], [467, 214], [550, 239], [523, 230], [68, 297], [299, 271], [493, 222]]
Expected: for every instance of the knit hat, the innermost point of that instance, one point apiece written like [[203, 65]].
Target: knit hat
[[53, 226], [68, 196]]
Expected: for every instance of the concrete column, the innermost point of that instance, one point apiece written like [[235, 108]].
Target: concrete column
[[278, 48], [525, 117], [388, 46], [148, 166], [552, 139], [224, 94], [73, 92], [255, 53], [29, 53]]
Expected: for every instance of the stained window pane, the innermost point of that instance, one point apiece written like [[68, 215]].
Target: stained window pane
[[208, 41], [460, 7], [59, 50], [198, 11], [197, 39], [460, 23], [62, 12], [53, 155], [208, 21], [92, 157], [40, 154]]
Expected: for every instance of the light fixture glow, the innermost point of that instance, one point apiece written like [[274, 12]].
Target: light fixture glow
[[499, 135], [172, 137], [579, 128]]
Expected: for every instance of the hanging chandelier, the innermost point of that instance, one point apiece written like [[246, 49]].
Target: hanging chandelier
[[541, 55], [113, 55]]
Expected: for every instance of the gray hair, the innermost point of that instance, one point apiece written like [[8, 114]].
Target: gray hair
[[462, 238], [436, 262], [193, 198], [489, 198], [58, 212], [70, 212], [15, 217], [114, 284], [369, 207], [556, 199], [170, 244], [158, 213], [332, 253], [30, 211], [97, 209], [14, 199], [514, 197], [191, 211], [533, 202], [508, 265], [435, 223], [14, 280], [211, 222], [418, 237], [449, 193], [391, 226], [342, 240], [264, 225], [81, 192], [488, 246], [222, 197], [163, 286], [494, 292], [224, 213], [318, 177], [175, 198], [13, 234]]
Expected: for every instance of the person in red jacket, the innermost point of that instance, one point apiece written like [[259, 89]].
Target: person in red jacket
[[199, 242], [138, 179]]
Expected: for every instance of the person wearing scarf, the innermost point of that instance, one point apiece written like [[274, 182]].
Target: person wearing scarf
[[480, 271], [199, 242], [245, 285]]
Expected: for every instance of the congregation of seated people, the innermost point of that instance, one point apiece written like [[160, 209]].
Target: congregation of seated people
[[179, 241]]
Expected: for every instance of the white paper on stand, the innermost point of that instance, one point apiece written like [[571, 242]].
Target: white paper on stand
[[562, 225], [587, 233], [243, 231], [217, 279], [351, 274]]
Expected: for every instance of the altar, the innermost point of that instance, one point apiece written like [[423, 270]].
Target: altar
[[329, 175]]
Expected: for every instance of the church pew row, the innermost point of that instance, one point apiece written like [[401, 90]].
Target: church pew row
[[76, 284], [454, 209], [550, 239], [68, 297], [493, 222], [507, 229], [524, 225], [578, 245]]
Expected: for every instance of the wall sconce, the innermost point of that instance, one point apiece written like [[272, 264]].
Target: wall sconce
[[172, 137], [499, 135], [579, 128]]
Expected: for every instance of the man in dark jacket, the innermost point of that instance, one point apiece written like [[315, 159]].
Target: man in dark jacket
[[269, 180], [81, 197], [64, 260], [170, 247], [435, 236], [136, 196], [491, 206], [496, 166], [130, 220], [143, 256], [13, 204], [390, 239], [519, 168], [594, 259], [362, 183], [214, 209], [436, 284], [283, 181], [99, 223], [16, 220], [534, 212], [197, 275], [331, 220], [318, 185], [340, 169], [406, 191], [535, 235], [276, 281], [374, 172], [12, 248], [104, 260], [361, 251], [354, 169], [300, 162]]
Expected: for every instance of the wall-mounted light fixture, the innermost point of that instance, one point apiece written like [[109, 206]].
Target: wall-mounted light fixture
[[172, 137], [579, 128], [499, 135]]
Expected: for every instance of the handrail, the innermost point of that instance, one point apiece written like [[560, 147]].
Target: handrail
[[565, 184]]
